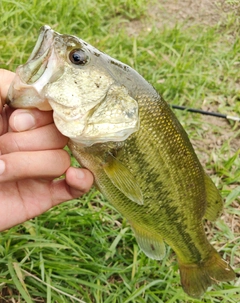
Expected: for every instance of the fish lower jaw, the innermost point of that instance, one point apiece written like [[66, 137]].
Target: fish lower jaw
[[31, 99]]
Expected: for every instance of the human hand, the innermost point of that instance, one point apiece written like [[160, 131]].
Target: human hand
[[30, 160]]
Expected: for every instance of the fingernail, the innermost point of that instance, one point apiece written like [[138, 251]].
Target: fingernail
[[2, 167], [23, 121]]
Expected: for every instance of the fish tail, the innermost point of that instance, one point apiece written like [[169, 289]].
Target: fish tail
[[196, 278]]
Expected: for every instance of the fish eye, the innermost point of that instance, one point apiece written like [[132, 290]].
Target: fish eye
[[78, 57]]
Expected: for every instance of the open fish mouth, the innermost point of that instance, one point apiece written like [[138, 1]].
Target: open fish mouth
[[45, 38], [37, 63], [35, 74]]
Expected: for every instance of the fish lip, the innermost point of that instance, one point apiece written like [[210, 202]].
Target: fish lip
[[37, 62], [29, 75], [46, 35]]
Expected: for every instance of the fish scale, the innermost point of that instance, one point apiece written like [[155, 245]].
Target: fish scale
[[160, 193], [128, 137], [161, 208]]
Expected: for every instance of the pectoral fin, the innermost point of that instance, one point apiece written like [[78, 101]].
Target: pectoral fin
[[124, 180], [214, 200], [152, 245]]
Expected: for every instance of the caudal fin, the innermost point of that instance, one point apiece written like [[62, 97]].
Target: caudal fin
[[196, 278]]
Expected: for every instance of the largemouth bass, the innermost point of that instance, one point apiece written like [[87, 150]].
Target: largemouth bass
[[128, 137]]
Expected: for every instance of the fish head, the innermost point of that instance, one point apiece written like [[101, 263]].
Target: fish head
[[69, 76]]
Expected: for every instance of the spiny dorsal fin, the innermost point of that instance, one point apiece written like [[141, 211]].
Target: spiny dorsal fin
[[214, 200], [124, 180]]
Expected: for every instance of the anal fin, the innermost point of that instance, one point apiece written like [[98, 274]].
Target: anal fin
[[152, 245], [214, 200]]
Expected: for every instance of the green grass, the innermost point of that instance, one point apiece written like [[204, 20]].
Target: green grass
[[83, 250]]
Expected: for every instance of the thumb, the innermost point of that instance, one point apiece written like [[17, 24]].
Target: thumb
[[77, 182], [80, 181]]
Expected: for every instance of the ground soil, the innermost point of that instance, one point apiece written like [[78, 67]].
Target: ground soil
[[204, 12], [166, 13]]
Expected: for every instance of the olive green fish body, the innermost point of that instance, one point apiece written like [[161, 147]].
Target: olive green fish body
[[173, 206], [159, 158], [127, 135]]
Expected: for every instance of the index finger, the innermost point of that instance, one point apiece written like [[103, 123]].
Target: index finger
[[6, 77]]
